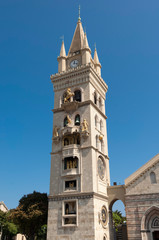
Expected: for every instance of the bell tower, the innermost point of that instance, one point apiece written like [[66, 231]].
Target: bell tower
[[78, 200]]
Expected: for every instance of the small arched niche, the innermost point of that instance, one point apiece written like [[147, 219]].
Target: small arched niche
[[153, 178]]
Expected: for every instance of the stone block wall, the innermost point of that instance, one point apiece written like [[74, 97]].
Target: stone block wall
[[136, 206]]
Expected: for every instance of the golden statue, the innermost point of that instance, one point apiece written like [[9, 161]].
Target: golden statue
[[100, 137], [84, 125], [68, 119], [68, 95], [71, 185], [55, 131]]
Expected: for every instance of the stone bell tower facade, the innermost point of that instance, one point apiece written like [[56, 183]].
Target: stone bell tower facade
[[78, 200]]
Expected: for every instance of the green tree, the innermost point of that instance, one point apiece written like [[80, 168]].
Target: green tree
[[7, 227], [42, 232], [31, 214], [118, 219]]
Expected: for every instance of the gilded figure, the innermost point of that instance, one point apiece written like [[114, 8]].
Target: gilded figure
[[68, 119], [68, 95], [55, 131], [84, 125]]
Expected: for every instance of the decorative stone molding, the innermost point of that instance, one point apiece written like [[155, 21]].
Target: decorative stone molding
[[69, 106], [58, 198], [85, 134], [85, 195], [69, 78], [83, 104], [70, 130], [70, 150]]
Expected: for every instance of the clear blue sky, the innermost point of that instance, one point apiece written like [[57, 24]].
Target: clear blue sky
[[126, 33]]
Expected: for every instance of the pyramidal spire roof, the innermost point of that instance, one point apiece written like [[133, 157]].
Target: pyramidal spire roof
[[78, 37], [62, 52], [85, 41], [96, 59]]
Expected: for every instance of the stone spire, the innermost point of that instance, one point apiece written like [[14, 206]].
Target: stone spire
[[62, 59], [86, 52], [62, 52], [96, 62], [77, 41], [96, 59], [85, 41]]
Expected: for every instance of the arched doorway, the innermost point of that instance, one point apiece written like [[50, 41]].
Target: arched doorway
[[150, 224], [116, 194], [118, 221]]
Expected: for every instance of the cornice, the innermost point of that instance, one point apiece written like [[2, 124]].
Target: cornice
[[98, 81], [58, 78], [80, 148], [80, 104], [141, 171], [81, 195], [71, 72]]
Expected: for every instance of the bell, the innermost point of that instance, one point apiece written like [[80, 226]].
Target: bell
[[77, 121]]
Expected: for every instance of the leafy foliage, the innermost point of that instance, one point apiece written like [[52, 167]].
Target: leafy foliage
[[42, 233], [31, 214], [8, 228], [118, 219]]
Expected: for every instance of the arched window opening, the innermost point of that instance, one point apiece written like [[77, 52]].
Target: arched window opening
[[70, 162], [95, 98], [77, 96], [153, 178], [65, 121], [77, 120], [104, 238]]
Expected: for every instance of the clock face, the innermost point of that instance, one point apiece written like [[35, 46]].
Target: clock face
[[101, 168], [74, 63], [104, 215]]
